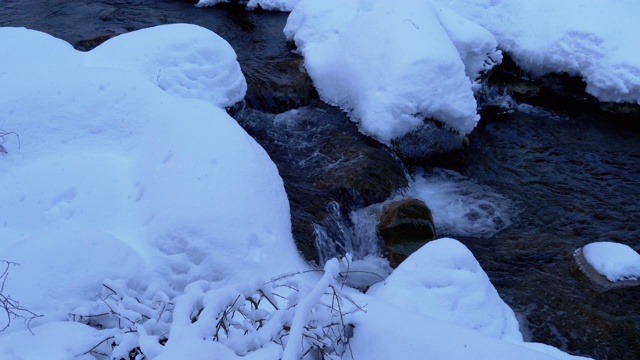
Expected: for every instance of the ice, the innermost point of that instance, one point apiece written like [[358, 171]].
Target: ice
[[391, 65], [613, 260]]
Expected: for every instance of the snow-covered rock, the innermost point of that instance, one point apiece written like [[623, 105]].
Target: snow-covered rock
[[182, 59], [105, 150], [589, 38], [615, 261], [443, 280], [390, 65]]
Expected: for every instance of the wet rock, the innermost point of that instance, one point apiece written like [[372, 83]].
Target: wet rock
[[557, 91], [89, 44], [404, 226], [329, 169], [281, 84], [431, 143]]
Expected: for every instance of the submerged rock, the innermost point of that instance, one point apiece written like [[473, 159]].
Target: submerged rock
[[402, 223], [328, 167]]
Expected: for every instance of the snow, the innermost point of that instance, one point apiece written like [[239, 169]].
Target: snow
[[112, 171], [136, 204], [188, 61], [272, 5], [55, 340], [613, 260], [443, 280], [387, 331], [391, 65], [589, 38]]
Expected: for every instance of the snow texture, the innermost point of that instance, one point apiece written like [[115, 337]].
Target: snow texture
[[390, 65], [443, 280], [189, 61], [386, 331], [613, 260], [593, 39], [111, 170]]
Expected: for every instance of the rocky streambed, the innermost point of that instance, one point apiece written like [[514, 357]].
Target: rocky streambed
[[570, 166]]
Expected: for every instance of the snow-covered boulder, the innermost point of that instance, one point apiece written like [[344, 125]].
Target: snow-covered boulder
[[182, 59], [443, 280], [609, 265], [391, 65], [593, 39], [174, 181]]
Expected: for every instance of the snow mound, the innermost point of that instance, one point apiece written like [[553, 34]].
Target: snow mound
[[443, 280], [55, 340], [182, 59], [613, 260], [106, 150], [65, 266], [272, 5], [391, 65], [386, 331], [589, 38]]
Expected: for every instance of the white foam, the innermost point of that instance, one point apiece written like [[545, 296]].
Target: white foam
[[461, 206]]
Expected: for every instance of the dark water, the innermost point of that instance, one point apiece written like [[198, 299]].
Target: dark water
[[574, 179]]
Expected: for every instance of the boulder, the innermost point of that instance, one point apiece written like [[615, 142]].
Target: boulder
[[404, 226]]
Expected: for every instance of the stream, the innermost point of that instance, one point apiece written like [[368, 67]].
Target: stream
[[569, 176]]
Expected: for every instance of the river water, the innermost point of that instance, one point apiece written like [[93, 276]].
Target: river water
[[570, 177]]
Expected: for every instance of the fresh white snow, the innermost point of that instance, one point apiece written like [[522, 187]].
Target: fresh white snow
[[593, 39], [110, 169], [613, 260], [443, 280], [390, 65]]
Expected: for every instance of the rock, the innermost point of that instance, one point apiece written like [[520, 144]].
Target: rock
[[432, 142], [596, 280], [279, 85], [329, 169], [404, 226]]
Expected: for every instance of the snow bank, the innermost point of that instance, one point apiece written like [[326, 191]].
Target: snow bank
[[443, 280], [273, 5], [613, 260], [589, 38], [133, 175], [56, 340], [391, 65], [181, 59], [386, 331]]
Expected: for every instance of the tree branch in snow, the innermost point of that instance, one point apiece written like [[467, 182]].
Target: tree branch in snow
[[3, 134], [12, 307]]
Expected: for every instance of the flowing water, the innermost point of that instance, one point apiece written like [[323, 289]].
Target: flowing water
[[550, 182]]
